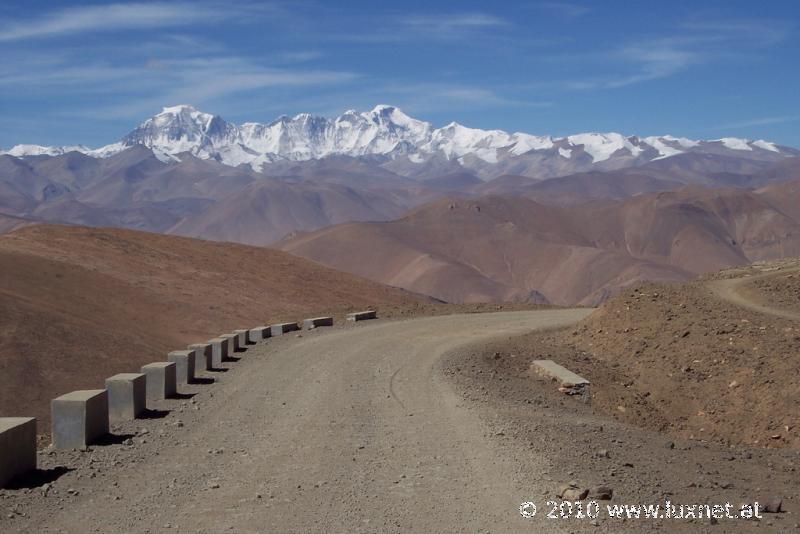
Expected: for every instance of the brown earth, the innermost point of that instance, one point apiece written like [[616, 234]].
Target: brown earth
[[771, 285], [589, 444], [681, 360], [516, 249], [78, 305]]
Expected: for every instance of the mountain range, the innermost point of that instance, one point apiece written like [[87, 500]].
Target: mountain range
[[389, 138], [454, 213]]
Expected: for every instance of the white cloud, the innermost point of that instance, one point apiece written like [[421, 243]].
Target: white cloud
[[691, 44], [115, 17], [442, 25], [155, 83], [763, 121], [564, 9], [653, 61]]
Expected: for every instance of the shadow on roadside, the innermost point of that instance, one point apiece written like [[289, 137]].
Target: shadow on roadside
[[37, 477]]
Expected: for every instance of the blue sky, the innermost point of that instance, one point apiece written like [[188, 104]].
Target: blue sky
[[89, 72]]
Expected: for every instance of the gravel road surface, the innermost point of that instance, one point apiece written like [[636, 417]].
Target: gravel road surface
[[349, 429]]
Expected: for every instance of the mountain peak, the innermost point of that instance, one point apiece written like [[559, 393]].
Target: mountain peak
[[175, 110], [385, 108]]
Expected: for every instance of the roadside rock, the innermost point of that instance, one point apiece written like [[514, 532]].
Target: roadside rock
[[571, 492], [600, 492], [773, 505]]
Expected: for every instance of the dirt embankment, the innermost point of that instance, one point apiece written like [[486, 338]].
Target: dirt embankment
[[678, 359], [782, 291], [78, 305]]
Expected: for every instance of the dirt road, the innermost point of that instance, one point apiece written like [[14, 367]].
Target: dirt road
[[350, 429], [736, 291]]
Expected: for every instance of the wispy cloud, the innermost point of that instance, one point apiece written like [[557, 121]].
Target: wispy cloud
[[417, 99], [122, 16], [691, 44], [757, 33], [158, 82], [763, 121], [448, 25], [564, 9], [653, 61], [456, 26]]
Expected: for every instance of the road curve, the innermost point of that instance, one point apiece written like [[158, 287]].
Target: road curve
[[731, 290], [346, 430]]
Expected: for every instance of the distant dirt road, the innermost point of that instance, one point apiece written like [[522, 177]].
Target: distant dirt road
[[345, 430], [734, 291]]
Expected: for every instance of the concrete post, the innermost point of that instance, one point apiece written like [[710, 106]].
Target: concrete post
[[258, 334], [184, 366], [17, 447], [160, 380], [242, 335], [282, 328], [233, 343], [202, 356], [316, 322], [219, 351], [127, 396], [79, 418], [362, 315]]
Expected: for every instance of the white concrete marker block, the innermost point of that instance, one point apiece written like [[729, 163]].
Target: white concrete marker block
[[79, 418], [242, 337], [282, 328], [553, 370], [161, 382], [17, 447], [202, 356], [219, 351], [362, 315], [184, 366], [233, 343], [127, 396], [258, 334], [316, 322]]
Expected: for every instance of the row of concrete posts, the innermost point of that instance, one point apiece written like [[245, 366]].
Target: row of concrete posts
[[81, 418]]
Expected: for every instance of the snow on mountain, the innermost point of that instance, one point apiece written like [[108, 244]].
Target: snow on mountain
[[38, 150], [384, 131], [766, 145], [602, 146], [734, 143]]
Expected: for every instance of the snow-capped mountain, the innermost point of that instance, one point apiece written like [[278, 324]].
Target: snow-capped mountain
[[404, 144]]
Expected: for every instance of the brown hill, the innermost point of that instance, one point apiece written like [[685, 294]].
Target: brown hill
[[9, 223], [679, 358], [267, 210], [495, 249], [583, 187], [78, 305], [784, 196], [202, 198]]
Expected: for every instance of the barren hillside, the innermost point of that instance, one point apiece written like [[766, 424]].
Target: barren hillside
[[511, 249], [78, 305], [681, 359]]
